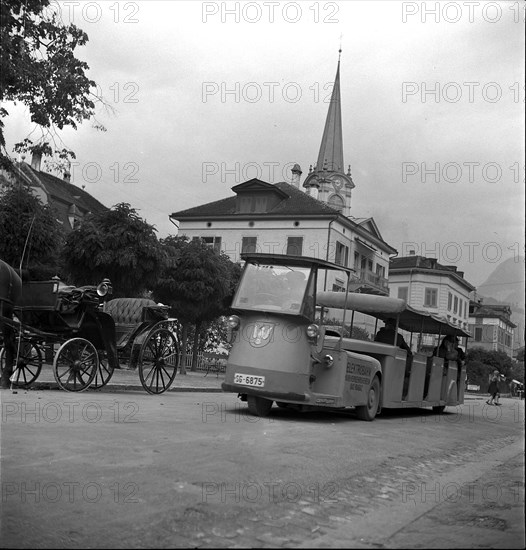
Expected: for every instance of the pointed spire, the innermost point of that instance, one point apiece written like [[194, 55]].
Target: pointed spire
[[331, 149]]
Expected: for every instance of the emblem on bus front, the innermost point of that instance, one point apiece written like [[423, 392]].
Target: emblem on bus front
[[261, 335]]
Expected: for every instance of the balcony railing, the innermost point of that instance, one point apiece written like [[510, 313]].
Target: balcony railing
[[371, 279]]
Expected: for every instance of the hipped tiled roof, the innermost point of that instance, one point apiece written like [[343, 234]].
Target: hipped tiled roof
[[297, 203], [66, 192]]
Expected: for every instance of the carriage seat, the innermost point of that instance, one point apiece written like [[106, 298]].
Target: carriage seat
[[129, 313]]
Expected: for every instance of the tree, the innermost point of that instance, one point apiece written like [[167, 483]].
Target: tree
[[480, 363], [39, 69], [198, 283], [30, 236], [358, 333], [116, 244]]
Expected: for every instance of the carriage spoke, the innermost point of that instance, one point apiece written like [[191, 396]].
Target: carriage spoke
[[28, 364], [156, 368], [76, 364]]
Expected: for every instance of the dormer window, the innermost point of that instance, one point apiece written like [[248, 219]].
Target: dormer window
[[257, 197], [74, 216]]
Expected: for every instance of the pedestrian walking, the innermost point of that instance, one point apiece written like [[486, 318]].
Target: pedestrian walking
[[493, 389]]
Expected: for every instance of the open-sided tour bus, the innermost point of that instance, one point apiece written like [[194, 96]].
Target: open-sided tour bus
[[280, 354]]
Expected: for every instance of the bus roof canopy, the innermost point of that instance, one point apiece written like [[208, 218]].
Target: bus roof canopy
[[384, 307]]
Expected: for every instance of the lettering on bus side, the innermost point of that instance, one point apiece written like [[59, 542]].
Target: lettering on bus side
[[358, 374]]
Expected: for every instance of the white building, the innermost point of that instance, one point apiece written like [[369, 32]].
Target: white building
[[282, 218], [427, 285], [492, 327]]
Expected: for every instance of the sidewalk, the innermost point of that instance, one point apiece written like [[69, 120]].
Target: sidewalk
[[123, 379]]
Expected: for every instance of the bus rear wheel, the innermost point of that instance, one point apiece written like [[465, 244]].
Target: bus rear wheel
[[258, 406], [369, 411]]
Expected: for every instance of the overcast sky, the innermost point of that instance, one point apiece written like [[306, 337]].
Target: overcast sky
[[210, 94]]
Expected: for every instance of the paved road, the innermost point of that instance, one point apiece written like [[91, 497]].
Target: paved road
[[125, 469]]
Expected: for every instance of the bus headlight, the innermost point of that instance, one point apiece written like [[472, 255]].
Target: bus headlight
[[328, 361], [313, 331], [233, 322]]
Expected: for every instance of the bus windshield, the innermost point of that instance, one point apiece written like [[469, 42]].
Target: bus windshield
[[277, 288]]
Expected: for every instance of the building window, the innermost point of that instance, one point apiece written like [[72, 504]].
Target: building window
[[294, 246], [338, 286], [356, 261], [430, 299], [248, 244], [342, 254], [455, 304], [213, 242], [252, 203], [478, 334], [403, 292], [363, 263], [449, 301], [380, 270]]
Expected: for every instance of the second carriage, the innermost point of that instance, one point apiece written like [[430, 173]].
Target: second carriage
[[93, 336]]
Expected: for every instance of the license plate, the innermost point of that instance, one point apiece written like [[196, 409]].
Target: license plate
[[249, 380]]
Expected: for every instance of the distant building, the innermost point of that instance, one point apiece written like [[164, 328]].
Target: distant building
[[427, 285], [492, 327], [70, 203], [284, 219]]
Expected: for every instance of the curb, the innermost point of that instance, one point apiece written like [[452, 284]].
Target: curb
[[119, 387]]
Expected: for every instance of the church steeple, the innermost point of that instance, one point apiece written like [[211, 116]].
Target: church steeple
[[330, 156], [328, 181]]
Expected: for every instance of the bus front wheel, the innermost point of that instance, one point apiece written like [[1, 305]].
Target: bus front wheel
[[258, 406], [369, 411]]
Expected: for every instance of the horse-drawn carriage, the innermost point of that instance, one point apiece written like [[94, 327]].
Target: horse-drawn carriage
[[93, 335]]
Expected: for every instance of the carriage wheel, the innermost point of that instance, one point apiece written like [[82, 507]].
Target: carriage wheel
[[75, 364], [28, 365], [158, 361], [104, 372]]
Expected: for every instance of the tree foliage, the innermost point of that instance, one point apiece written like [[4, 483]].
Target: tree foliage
[[40, 70], [494, 360], [116, 244], [358, 333], [480, 363], [197, 282], [29, 229]]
